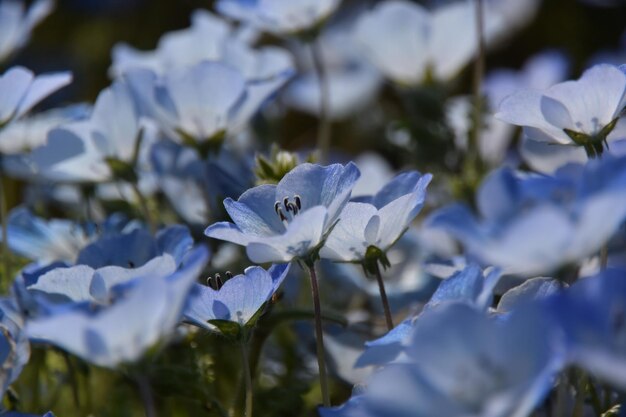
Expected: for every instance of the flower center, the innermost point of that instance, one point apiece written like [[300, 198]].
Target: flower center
[[287, 209], [216, 282]]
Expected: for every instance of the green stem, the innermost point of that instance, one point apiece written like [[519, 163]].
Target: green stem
[[324, 130], [319, 336], [143, 204], [247, 378], [383, 298], [71, 376], [473, 158], [560, 407], [146, 395], [595, 398]]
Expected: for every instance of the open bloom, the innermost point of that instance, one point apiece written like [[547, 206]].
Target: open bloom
[[581, 112], [409, 43], [113, 260], [104, 147], [471, 286], [237, 300], [279, 16], [539, 72], [499, 369], [278, 223], [374, 226], [142, 313], [16, 24], [45, 241], [530, 224], [210, 38], [22, 90], [204, 102]]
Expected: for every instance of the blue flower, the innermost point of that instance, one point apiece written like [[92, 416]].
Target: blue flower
[[30, 132], [210, 38], [279, 223], [22, 90], [592, 314], [379, 223], [141, 314], [581, 112], [532, 225], [113, 260], [462, 363], [45, 241], [426, 46], [470, 286], [277, 16], [204, 102], [237, 300], [16, 24]]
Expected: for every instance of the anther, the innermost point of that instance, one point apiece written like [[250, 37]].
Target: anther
[[218, 281], [286, 203], [281, 215], [298, 201], [293, 208], [277, 206]]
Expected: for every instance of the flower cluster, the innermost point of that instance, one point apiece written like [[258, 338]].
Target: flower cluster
[[176, 247]]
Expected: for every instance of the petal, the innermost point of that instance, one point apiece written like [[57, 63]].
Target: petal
[[347, 241], [228, 232], [523, 108], [72, 283], [204, 95], [394, 38], [14, 85], [595, 99], [254, 212], [303, 234], [41, 87]]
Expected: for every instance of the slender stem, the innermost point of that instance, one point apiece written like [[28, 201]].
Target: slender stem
[[146, 396], [247, 377], [324, 130], [479, 70], [560, 408], [319, 335], [595, 398], [143, 203], [71, 375], [383, 298], [5, 226]]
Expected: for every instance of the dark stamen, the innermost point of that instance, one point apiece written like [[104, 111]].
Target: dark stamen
[[277, 206], [229, 275], [293, 208], [218, 281], [281, 215], [286, 201], [298, 201]]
